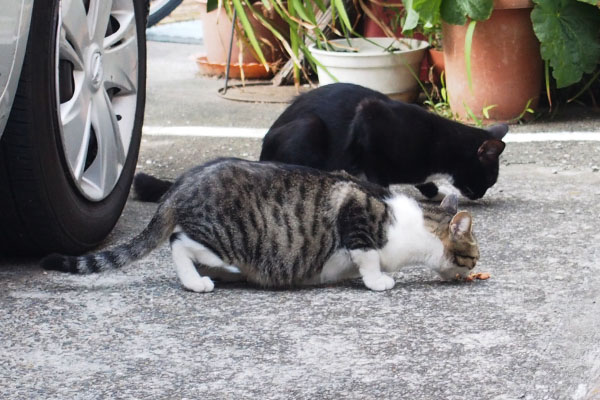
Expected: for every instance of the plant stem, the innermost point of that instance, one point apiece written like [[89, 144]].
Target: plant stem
[[586, 87], [468, 48], [294, 39], [547, 78]]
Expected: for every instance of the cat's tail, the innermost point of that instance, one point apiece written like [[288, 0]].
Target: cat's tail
[[148, 188], [158, 230]]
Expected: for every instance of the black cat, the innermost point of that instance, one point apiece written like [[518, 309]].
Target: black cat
[[348, 127]]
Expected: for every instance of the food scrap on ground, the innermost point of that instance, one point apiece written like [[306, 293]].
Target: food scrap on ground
[[479, 275]]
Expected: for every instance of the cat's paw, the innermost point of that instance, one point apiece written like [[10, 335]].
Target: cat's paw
[[379, 282], [202, 285]]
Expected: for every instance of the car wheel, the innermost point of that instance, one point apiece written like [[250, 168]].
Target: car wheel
[[70, 147]]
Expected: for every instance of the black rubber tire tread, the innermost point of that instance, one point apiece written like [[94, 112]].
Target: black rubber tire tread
[[41, 211], [162, 12]]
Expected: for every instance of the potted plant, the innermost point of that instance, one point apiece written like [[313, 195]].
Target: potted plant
[[387, 65], [569, 32], [500, 75], [570, 45], [245, 63], [436, 50], [491, 71], [309, 23]]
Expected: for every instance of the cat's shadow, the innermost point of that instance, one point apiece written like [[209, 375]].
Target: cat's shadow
[[486, 202], [410, 284], [481, 204], [354, 284]]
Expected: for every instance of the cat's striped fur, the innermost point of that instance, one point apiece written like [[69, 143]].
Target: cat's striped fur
[[281, 226]]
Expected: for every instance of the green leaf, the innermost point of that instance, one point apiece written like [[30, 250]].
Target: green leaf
[[299, 9], [592, 2], [569, 33], [457, 11], [428, 10], [468, 48], [472, 115], [412, 16], [527, 109], [478, 10], [452, 13], [294, 37], [341, 9], [266, 23], [314, 61], [320, 4], [311, 15], [486, 110], [241, 14]]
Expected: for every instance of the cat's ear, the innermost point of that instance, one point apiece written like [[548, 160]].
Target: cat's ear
[[450, 203], [498, 131], [461, 224], [490, 150]]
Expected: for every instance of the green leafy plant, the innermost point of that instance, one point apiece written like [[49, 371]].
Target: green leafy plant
[[569, 33], [437, 100], [302, 18], [568, 30], [526, 110], [486, 110], [431, 12], [309, 22]]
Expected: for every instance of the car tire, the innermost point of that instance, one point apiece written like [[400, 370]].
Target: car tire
[[43, 208]]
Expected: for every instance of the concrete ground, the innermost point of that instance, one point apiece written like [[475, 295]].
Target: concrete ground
[[529, 332]]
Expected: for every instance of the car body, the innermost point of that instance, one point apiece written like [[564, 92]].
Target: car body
[[14, 30]]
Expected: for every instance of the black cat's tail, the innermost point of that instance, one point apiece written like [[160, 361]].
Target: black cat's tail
[[158, 230], [148, 188]]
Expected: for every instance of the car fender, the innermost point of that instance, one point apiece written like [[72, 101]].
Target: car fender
[[15, 18]]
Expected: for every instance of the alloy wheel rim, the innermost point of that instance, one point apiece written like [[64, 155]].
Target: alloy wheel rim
[[97, 89]]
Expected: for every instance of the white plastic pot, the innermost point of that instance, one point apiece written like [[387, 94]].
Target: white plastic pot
[[374, 67]]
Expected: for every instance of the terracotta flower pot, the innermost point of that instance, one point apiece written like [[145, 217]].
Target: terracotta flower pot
[[506, 65], [217, 33], [386, 16], [435, 58]]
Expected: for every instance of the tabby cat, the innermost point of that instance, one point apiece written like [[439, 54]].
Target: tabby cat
[[280, 226], [349, 127]]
